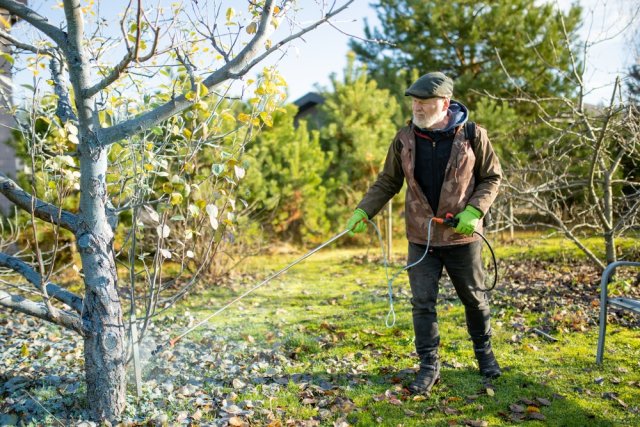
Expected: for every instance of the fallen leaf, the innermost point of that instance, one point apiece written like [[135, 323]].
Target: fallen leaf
[[24, 351], [476, 423], [537, 416], [490, 391], [516, 408], [394, 401], [236, 422], [543, 401], [450, 411]]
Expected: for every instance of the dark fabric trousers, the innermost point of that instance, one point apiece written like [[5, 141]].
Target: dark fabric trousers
[[464, 266]]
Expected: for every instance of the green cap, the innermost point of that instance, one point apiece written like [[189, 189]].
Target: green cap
[[431, 85]]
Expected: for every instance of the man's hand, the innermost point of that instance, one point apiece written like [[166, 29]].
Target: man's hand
[[358, 222], [468, 220]]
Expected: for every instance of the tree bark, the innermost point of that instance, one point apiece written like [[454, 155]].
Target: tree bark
[[104, 348]]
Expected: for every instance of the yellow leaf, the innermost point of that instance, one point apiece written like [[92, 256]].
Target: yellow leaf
[[267, 44], [266, 118], [24, 351], [227, 116], [244, 118], [251, 28], [204, 91], [148, 167], [167, 187], [176, 199], [186, 132], [230, 14], [5, 22], [191, 95]]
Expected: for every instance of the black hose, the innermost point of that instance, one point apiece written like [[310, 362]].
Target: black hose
[[495, 263]]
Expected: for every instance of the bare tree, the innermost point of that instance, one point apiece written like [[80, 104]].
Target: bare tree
[[581, 177], [116, 149]]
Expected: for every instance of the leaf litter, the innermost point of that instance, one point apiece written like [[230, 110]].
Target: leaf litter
[[43, 365]]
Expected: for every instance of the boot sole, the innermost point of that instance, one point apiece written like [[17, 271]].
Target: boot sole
[[424, 390]]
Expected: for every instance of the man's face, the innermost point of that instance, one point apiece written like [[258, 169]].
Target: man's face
[[429, 112]]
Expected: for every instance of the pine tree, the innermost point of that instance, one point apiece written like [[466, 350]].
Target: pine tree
[[475, 43], [359, 126], [284, 179]]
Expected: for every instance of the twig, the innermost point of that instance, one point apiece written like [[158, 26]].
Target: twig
[[544, 335], [40, 404]]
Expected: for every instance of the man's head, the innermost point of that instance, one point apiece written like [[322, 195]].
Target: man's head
[[431, 95]]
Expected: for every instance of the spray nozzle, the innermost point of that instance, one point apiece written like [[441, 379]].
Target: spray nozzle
[[448, 219]]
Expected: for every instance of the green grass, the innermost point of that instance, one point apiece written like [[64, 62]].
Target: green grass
[[330, 308]]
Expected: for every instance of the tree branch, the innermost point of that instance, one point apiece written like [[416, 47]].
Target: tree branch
[[24, 46], [38, 21], [237, 67], [53, 290], [43, 210], [31, 308], [228, 71], [132, 54], [64, 110]]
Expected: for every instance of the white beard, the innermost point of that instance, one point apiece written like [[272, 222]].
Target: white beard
[[425, 121]]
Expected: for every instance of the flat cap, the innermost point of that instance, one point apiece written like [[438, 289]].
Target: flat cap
[[431, 85]]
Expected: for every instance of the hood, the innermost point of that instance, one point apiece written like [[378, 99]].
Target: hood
[[458, 114]]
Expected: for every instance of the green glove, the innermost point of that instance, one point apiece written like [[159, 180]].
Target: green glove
[[468, 220], [358, 222]]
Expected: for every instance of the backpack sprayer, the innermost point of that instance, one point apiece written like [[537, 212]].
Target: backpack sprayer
[[449, 220]]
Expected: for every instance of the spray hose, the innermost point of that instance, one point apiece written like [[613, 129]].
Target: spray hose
[[390, 319]]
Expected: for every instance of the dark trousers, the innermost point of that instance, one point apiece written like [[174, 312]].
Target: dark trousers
[[464, 266]]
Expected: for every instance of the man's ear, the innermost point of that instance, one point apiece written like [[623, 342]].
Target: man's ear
[[445, 104]]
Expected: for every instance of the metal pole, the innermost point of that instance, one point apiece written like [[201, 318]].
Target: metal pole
[[136, 355], [389, 231]]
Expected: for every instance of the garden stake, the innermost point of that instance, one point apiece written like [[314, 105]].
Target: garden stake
[[173, 341]]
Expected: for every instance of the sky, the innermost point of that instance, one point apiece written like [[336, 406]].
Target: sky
[[311, 60], [324, 52]]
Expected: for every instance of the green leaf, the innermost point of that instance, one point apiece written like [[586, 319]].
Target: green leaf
[[217, 169]]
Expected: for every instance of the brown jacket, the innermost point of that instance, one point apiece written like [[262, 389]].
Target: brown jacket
[[470, 178]]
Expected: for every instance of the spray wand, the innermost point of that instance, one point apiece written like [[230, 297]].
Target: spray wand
[[174, 340]]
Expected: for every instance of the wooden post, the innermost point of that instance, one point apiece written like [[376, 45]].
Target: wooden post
[[511, 219]]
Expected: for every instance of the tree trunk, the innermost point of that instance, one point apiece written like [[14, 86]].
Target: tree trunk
[[104, 348]]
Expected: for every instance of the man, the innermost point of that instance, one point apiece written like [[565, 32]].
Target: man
[[445, 173]]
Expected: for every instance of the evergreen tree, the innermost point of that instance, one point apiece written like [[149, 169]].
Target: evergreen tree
[[474, 43], [359, 126], [633, 84], [284, 179]]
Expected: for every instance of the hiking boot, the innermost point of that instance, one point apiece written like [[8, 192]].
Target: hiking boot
[[487, 362], [426, 378]]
